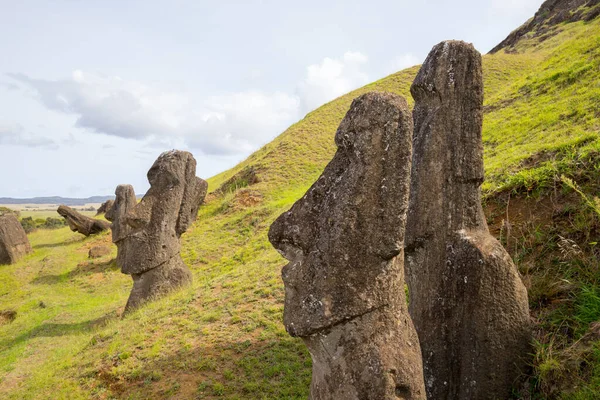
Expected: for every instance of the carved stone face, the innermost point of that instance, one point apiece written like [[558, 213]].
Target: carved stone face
[[342, 236], [148, 232]]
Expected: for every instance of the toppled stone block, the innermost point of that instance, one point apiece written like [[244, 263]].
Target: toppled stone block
[[467, 300], [14, 243], [80, 223], [344, 284]]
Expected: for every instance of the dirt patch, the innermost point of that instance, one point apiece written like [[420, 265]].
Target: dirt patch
[[248, 198], [537, 159], [7, 316]]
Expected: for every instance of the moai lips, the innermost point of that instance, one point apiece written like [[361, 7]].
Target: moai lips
[[467, 300], [344, 284]]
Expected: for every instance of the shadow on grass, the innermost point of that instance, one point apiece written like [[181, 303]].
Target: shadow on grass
[[278, 368], [87, 268], [59, 244], [55, 330]]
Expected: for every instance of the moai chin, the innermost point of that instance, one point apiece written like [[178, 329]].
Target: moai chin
[[467, 301], [147, 234], [344, 284]]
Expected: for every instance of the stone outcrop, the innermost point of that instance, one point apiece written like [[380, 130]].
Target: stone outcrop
[[14, 243], [550, 14], [80, 223], [105, 207], [467, 300], [344, 284], [147, 234], [99, 251]]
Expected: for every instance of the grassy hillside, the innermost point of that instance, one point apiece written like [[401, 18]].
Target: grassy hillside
[[223, 338]]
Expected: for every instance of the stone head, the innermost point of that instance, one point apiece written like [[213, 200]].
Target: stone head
[[343, 237], [448, 150], [149, 231]]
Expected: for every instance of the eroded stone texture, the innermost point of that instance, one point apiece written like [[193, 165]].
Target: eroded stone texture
[[80, 223], [467, 300], [105, 207], [147, 234], [14, 243], [344, 285]]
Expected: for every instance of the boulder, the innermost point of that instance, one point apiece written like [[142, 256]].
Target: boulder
[[80, 223], [99, 251], [467, 300], [14, 243], [147, 234], [344, 284]]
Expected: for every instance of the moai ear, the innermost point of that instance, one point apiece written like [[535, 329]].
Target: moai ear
[[194, 193]]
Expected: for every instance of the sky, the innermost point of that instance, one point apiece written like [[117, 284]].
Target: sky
[[91, 92]]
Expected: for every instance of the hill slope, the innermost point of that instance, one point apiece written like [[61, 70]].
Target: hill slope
[[223, 338]]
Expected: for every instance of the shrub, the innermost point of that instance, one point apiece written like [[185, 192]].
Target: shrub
[[28, 224], [53, 223]]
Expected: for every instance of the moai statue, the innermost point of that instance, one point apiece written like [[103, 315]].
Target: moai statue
[[105, 207], [80, 223], [147, 234], [344, 284], [467, 300], [14, 243]]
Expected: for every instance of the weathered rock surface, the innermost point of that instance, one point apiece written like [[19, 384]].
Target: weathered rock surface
[[99, 251], [14, 243], [147, 234], [467, 300], [344, 285], [80, 223], [105, 207]]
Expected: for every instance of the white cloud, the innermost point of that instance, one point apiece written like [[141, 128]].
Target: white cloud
[[110, 105], [332, 78], [14, 134], [230, 123], [238, 122], [403, 61]]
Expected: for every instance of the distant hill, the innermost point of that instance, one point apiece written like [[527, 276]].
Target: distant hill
[[68, 201]]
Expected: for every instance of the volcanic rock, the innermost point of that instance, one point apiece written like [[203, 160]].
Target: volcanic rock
[[105, 207], [344, 284], [147, 234], [14, 243], [467, 300]]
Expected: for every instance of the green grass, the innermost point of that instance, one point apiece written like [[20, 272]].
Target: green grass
[[43, 214], [223, 337]]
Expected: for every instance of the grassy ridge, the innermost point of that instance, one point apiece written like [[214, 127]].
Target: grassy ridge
[[223, 338]]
